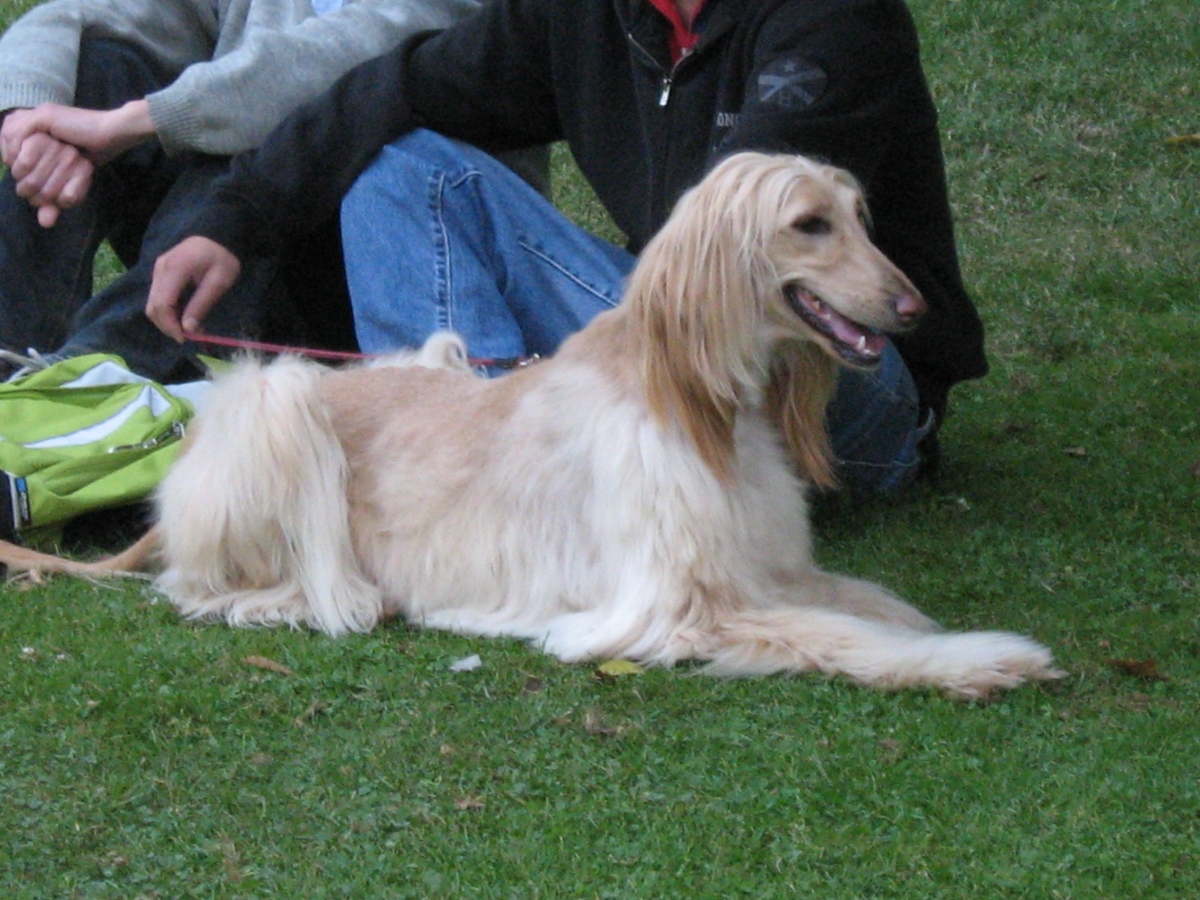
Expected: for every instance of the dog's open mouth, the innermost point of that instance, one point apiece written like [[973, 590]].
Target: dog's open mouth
[[859, 345]]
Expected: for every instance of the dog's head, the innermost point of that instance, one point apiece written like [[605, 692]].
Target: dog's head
[[837, 288], [761, 281]]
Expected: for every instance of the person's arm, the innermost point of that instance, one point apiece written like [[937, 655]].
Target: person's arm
[[833, 81], [52, 146], [476, 81], [39, 52], [268, 64]]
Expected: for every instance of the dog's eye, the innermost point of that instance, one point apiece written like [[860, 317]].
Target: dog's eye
[[814, 226]]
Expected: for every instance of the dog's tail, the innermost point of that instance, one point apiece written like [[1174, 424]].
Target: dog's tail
[[967, 665], [132, 560], [254, 515]]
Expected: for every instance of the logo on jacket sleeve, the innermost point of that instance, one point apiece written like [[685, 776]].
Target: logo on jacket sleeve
[[791, 82]]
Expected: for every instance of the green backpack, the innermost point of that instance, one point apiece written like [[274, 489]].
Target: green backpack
[[82, 435]]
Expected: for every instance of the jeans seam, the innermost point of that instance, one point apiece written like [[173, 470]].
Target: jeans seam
[[443, 275], [534, 250]]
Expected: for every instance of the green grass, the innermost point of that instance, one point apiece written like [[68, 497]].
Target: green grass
[[140, 757]]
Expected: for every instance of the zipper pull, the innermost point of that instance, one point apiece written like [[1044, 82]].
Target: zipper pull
[[665, 94], [175, 431]]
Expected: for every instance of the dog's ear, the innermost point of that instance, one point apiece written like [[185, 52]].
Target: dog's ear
[[680, 390], [697, 296], [801, 385]]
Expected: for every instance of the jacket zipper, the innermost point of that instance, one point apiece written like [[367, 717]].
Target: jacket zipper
[[667, 77]]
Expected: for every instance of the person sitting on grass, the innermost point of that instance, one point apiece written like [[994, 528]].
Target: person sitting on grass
[[118, 117], [648, 94]]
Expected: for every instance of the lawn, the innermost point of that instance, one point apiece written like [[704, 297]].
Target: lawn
[[142, 757]]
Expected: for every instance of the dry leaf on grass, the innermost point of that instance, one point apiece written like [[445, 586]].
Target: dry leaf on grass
[[231, 861], [1077, 452], [314, 709], [617, 668], [469, 802], [595, 723], [262, 662], [1146, 669], [1179, 140]]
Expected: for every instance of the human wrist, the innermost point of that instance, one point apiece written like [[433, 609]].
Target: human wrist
[[130, 124]]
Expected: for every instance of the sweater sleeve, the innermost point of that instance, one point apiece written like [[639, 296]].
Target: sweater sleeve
[[296, 179], [269, 59], [475, 81], [39, 53], [834, 80]]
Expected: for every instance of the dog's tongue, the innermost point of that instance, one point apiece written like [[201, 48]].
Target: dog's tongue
[[863, 341]]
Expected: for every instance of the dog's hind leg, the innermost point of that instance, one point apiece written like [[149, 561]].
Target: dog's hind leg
[[254, 515], [858, 597], [966, 665]]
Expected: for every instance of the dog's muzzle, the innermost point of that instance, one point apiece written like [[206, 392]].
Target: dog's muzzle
[[858, 345]]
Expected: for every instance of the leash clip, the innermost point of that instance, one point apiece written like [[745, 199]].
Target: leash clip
[[175, 431]]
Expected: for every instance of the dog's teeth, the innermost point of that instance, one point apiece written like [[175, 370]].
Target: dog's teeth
[[861, 346]]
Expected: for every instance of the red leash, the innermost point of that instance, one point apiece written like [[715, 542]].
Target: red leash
[[511, 362]]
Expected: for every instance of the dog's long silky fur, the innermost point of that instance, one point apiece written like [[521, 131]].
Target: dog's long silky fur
[[640, 495]]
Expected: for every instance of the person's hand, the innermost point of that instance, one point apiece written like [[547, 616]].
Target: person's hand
[[52, 150], [49, 174], [197, 264], [101, 135]]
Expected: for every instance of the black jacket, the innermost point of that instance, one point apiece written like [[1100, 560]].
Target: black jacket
[[835, 79]]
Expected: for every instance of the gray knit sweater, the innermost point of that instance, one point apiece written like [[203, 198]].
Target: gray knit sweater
[[241, 65]]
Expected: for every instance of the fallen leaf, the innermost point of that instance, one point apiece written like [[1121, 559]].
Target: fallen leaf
[[1146, 669], [533, 685], [469, 802], [1077, 452], [314, 709], [1195, 469], [890, 747], [617, 668], [1137, 702], [595, 723], [262, 662], [231, 861], [1179, 140], [467, 664]]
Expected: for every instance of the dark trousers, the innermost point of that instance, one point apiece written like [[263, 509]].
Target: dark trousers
[[141, 203]]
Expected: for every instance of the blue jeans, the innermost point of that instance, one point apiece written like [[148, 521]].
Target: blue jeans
[[438, 235]]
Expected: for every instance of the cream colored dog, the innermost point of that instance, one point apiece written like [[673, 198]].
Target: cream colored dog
[[640, 495]]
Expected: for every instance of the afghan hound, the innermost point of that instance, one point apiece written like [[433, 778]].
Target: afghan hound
[[640, 495]]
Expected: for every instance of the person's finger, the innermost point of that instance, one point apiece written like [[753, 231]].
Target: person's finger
[[41, 157], [212, 287], [197, 263], [18, 126], [77, 184], [47, 215], [162, 303]]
